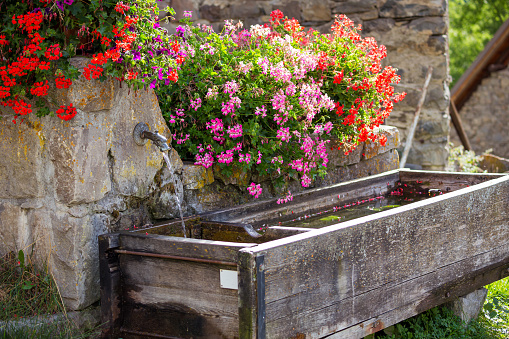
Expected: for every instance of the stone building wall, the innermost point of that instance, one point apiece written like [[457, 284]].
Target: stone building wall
[[414, 32], [485, 116]]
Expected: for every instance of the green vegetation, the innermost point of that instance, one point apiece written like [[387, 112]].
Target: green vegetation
[[461, 160], [472, 24], [440, 322], [496, 309], [27, 293]]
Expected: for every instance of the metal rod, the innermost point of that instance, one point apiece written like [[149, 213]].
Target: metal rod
[[411, 132], [260, 296], [458, 125], [175, 257], [148, 334]]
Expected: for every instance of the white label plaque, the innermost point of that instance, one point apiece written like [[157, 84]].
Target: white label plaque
[[228, 279]]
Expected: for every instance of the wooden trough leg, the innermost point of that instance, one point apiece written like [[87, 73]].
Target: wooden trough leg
[[110, 286], [247, 296]]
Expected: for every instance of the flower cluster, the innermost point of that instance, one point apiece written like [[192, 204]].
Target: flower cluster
[[272, 97], [123, 38]]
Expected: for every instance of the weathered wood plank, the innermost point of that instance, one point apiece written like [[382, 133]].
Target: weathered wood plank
[[247, 296], [109, 273], [263, 212], [446, 181], [185, 247], [392, 303], [184, 296], [468, 280], [308, 273]]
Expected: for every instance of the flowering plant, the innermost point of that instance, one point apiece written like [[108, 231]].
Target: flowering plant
[[38, 37], [271, 98]]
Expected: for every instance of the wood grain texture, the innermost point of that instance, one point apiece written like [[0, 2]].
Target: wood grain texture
[[247, 296], [183, 299], [185, 247], [331, 279], [111, 312], [445, 181]]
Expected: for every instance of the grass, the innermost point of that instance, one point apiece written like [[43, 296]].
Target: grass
[[441, 323], [24, 290], [30, 302]]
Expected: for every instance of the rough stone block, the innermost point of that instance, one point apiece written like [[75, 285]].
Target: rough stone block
[[369, 15], [245, 10], [134, 167], [74, 257], [291, 9], [196, 176], [355, 6], [378, 25], [211, 13], [164, 204], [338, 158], [215, 196], [80, 162], [431, 155], [372, 149], [469, 306], [430, 25], [237, 177], [412, 8], [87, 95], [21, 166], [316, 10], [15, 234], [380, 163]]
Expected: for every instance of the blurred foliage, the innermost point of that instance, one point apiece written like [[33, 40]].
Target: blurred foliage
[[472, 24], [461, 160]]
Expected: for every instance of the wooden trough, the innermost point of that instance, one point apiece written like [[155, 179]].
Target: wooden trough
[[346, 280]]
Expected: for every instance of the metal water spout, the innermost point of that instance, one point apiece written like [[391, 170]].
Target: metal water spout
[[142, 134]]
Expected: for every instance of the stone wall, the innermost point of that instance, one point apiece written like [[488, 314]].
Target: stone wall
[[414, 32], [486, 114], [64, 183]]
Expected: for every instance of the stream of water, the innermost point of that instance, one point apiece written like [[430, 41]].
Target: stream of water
[[179, 188]]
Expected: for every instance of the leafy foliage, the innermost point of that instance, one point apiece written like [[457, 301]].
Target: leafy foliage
[[496, 308], [38, 38], [472, 24], [271, 98], [461, 160], [439, 323]]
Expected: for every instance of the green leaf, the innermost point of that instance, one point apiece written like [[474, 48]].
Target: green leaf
[[27, 285], [21, 258]]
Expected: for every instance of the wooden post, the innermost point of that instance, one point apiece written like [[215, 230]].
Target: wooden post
[[110, 286], [458, 125], [411, 132]]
